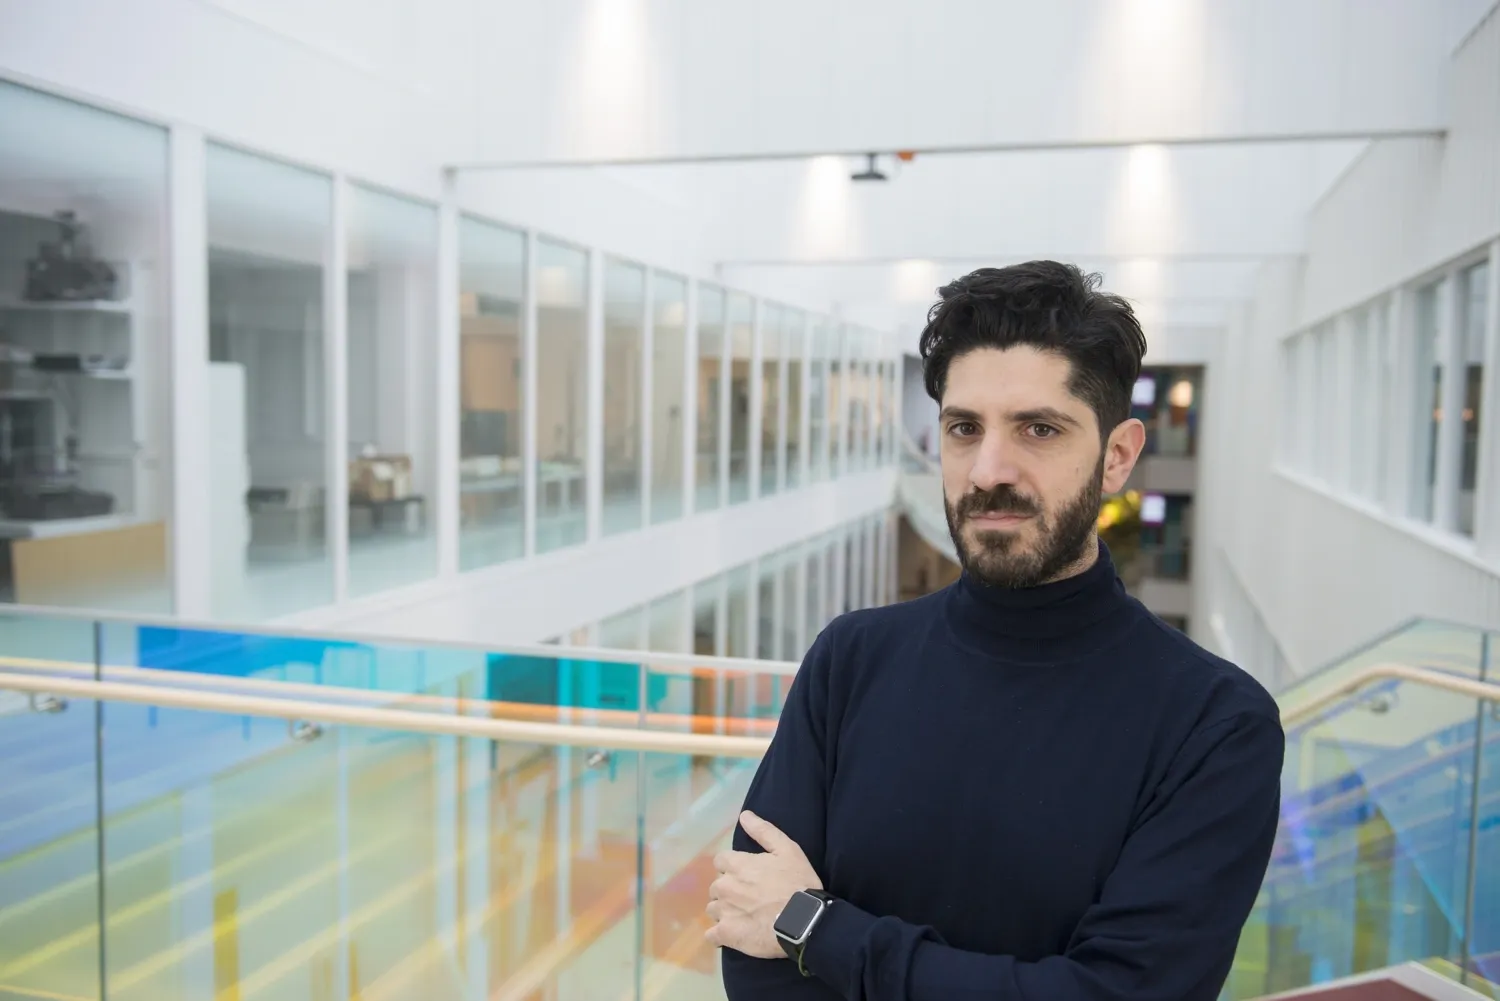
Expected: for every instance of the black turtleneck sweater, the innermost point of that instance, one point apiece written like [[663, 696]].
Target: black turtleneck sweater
[[1029, 795]]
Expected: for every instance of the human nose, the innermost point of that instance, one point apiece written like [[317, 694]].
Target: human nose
[[994, 464]]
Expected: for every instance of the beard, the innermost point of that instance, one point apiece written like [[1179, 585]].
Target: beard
[[1002, 559]]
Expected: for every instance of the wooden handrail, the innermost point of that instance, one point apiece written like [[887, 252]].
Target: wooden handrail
[[406, 720], [1473, 688]]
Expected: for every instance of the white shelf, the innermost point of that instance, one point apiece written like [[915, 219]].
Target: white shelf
[[16, 304]]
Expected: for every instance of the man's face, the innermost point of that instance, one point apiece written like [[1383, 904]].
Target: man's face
[[1024, 469]]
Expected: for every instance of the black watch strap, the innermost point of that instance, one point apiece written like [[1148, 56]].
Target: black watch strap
[[795, 952]]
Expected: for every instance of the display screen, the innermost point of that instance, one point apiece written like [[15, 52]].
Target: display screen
[[1144, 392], [1153, 509], [797, 915]]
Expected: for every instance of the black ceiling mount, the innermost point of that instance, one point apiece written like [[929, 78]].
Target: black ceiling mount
[[870, 173]]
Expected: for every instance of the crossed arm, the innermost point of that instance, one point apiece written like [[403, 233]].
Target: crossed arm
[[1165, 926]]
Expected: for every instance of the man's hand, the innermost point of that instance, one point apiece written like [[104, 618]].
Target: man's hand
[[752, 889]]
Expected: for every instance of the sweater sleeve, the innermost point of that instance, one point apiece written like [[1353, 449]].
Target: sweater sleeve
[[789, 790], [1168, 918]]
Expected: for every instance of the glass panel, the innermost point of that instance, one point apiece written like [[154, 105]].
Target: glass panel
[[707, 596], [1363, 386], [767, 635], [1474, 291], [87, 451], [791, 636], [771, 432], [623, 631], [1381, 816], [692, 803], [561, 395], [794, 343], [816, 557], [624, 346], [1484, 937], [817, 400], [741, 334], [49, 845], [877, 413], [1371, 864], [1326, 389], [392, 248], [838, 443], [711, 395], [669, 628], [1429, 394], [668, 391], [739, 628], [1385, 367], [492, 277], [268, 235]]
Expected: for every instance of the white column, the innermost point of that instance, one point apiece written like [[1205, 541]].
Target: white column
[[528, 396], [595, 412], [191, 447], [1487, 480], [336, 388], [690, 407], [648, 387], [445, 492], [757, 398], [1450, 442]]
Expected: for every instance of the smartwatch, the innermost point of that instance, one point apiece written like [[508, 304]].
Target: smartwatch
[[797, 920]]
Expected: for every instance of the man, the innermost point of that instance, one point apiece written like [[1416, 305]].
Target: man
[[1024, 787]]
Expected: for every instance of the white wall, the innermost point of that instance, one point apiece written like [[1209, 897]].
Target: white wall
[[1326, 573]]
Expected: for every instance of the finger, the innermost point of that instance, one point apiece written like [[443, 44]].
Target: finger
[[712, 937], [715, 910], [723, 861], [766, 834], [725, 888]]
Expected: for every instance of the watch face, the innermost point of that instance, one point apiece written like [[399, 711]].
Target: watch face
[[798, 915]]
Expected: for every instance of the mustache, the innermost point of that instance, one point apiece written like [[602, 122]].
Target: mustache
[[1002, 499]]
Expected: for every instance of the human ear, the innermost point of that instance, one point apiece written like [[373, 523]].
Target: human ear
[[1121, 453]]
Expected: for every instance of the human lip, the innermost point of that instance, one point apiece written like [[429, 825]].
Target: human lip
[[998, 519]]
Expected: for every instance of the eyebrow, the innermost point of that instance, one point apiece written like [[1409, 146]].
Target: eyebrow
[[1050, 415]]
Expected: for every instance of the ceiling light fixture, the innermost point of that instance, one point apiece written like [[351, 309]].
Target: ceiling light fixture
[[871, 171]]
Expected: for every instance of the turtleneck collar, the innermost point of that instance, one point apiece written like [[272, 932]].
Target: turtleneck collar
[[1056, 621]]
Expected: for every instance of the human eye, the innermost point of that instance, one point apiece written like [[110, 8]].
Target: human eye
[[1043, 431], [963, 429]]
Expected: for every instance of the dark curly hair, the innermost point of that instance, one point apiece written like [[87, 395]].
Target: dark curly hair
[[1050, 306]]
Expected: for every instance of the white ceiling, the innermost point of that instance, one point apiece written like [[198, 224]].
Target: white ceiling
[[1179, 227]]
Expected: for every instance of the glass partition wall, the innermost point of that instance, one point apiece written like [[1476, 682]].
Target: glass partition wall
[[562, 386], [491, 295], [595, 396], [270, 227], [85, 459], [390, 360]]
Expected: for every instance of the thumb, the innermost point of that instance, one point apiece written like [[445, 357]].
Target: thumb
[[766, 834]]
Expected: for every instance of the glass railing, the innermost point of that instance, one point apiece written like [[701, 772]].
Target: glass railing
[[1389, 845], [150, 850]]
